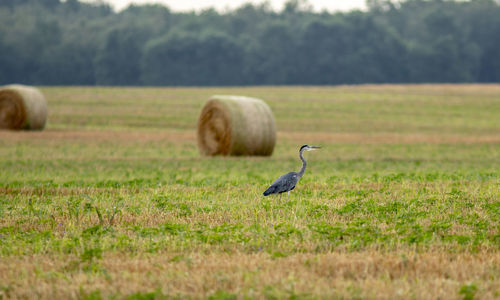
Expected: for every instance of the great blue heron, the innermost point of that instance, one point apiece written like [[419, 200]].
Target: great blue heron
[[287, 182]]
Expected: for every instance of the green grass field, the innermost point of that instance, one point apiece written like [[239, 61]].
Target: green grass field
[[113, 200]]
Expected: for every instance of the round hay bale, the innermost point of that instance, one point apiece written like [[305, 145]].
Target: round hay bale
[[22, 107], [236, 125]]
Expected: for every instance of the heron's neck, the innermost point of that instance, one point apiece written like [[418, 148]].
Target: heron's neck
[[304, 164]]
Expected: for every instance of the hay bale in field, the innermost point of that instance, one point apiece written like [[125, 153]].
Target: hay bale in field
[[236, 125], [22, 107]]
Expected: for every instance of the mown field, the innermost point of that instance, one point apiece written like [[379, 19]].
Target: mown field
[[113, 200]]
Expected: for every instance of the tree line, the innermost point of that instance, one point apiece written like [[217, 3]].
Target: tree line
[[54, 42]]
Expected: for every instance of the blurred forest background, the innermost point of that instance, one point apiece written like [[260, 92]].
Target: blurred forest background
[[53, 42]]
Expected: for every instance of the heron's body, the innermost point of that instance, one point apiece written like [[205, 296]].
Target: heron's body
[[283, 184], [287, 182]]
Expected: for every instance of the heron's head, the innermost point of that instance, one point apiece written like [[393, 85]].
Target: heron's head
[[308, 148]]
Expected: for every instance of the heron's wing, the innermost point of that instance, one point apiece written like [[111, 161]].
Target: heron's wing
[[283, 184]]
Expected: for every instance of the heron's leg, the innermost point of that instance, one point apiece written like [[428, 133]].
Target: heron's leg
[[287, 196], [294, 210]]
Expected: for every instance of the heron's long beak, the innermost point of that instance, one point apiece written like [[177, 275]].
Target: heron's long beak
[[314, 147]]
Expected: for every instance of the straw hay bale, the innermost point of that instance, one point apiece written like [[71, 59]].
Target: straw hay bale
[[22, 107], [236, 125]]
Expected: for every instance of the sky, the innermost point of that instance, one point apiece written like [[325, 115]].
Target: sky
[[221, 5]]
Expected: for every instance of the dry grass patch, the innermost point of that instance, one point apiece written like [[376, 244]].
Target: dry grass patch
[[99, 136], [389, 138], [367, 274]]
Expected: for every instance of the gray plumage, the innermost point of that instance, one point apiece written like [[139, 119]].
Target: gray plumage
[[287, 182]]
